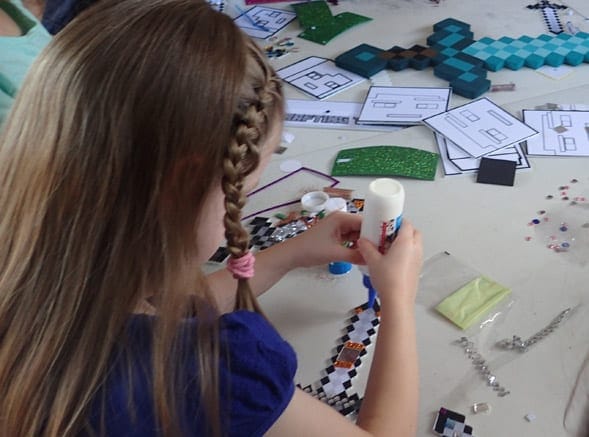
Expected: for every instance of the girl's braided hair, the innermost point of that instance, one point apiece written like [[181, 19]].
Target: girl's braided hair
[[251, 125]]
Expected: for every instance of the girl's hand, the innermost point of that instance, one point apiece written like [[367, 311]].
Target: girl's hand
[[395, 275], [329, 240]]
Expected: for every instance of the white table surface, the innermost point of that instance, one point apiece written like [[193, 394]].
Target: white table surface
[[484, 226]]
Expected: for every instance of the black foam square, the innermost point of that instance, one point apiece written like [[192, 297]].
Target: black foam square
[[496, 171]]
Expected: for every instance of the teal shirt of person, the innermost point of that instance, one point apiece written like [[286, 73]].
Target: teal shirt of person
[[17, 53]]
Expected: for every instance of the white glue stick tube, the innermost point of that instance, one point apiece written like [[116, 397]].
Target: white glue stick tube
[[382, 218], [383, 212]]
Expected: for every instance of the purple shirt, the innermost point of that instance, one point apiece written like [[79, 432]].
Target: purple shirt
[[256, 379]]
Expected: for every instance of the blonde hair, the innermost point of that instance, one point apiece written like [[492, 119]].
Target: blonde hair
[[123, 126]]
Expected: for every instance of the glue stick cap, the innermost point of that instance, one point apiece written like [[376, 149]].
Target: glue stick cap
[[339, 267], [387, 193]]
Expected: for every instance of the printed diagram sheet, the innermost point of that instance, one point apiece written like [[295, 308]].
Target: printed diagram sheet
[[263, 22], [480, 127], [327, 115], [318, 77], [562, 133], [456, 161], [403, 105]]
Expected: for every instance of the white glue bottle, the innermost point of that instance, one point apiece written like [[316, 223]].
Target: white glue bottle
[[382, 218]]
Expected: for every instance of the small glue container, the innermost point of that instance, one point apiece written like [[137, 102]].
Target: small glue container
[[382, 218]]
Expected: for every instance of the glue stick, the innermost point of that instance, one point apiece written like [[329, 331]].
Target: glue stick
[[382, 218]]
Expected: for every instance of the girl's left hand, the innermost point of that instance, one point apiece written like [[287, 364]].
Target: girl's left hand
[[331, 239]]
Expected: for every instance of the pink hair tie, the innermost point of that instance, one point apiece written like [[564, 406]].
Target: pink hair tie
[[243, 267]]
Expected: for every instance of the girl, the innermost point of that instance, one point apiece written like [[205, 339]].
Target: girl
[[128, 154]]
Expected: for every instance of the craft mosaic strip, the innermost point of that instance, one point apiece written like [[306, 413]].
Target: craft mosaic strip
[[550, 15], [265, 233], [449, 423], [334, 387]]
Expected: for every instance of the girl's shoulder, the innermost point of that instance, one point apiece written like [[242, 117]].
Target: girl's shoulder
[[256, 375]]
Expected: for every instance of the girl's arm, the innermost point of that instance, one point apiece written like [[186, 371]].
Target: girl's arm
[[321, 244], [390, 404]]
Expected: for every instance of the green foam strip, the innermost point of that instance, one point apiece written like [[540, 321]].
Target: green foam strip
[[386, 161], [320, 25]]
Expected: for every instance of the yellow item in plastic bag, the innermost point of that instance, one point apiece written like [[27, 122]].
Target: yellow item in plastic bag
[[469, 303]]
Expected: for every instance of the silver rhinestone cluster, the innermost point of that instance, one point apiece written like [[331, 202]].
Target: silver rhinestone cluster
[[482, 367], [516, 342]]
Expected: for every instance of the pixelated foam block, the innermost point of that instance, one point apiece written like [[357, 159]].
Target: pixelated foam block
[[514, 62], [419, 57], [470, 85], [364, 60], [554, 60], [395, 61], [463, 62], [452, 25], [534, 61], [553, 50], [448, 39], [454, 67]]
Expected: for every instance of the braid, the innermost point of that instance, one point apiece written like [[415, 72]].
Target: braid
[[242, 157], [242, 146]]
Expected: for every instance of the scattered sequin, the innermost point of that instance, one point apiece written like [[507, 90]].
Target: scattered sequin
[[481, 407], [563, 238]]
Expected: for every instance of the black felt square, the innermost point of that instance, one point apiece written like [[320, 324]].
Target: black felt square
[[496, 171]]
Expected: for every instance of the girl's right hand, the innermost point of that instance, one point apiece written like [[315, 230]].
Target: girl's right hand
[[395, 275]]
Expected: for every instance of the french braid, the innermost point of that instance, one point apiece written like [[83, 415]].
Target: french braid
[[251, 126]]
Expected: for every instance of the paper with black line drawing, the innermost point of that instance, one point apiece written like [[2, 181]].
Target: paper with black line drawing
[[480, 127], [328, 115], [263, 22], [403, 105], [456, 161], [562, 133], [318, 77]]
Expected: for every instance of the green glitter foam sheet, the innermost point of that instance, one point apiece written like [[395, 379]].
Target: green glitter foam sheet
[[320, 25], [386, 161]]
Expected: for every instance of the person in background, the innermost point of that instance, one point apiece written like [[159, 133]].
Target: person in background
[[22, 38], [125, 162], [58, 13]]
